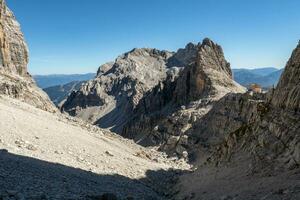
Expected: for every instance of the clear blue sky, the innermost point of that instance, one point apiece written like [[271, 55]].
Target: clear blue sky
[[76, 36]]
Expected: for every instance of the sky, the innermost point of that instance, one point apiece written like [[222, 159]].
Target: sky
[[77, 36]]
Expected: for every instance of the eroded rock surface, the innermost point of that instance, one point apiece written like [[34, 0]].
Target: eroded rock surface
[[109, 99], [151, 95], [250, 143], [14, 78], [167, 113]]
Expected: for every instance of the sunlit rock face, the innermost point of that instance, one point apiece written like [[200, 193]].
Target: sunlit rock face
[[14, 51], [109, 99], [15, 80], [287, 93], [146, 80], [167, 113], [265, 127]]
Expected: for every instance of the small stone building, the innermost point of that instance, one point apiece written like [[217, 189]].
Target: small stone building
[[255, 88]]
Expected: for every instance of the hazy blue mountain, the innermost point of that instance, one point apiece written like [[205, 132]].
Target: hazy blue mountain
[[60, 92], [244, 76], [266, 77], [264, 71], [45, 81]]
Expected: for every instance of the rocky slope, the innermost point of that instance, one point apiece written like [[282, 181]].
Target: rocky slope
[[53, 156], [247, 146], [45, 155], [14, 78]]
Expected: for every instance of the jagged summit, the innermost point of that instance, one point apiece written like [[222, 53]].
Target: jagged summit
[[167, 111], [209, 75], [209, 49], [249, 137]]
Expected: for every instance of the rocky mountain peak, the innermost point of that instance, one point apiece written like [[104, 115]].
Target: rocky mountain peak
[[110, 98], [146, 79], [165, 114], [210, 55], [209, 75]]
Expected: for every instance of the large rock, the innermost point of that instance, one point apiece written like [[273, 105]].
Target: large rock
[[14, 78], [208, 76]]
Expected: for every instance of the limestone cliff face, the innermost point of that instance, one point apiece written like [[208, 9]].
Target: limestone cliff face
[[14, 78], [287, 94], [246, 137], [144, 82], [208, 76], [14, 51], [167, 113], [263, 127]]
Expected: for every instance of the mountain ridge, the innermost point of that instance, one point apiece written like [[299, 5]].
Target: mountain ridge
[[45, 81]]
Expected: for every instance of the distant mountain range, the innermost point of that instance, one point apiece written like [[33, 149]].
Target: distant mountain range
[[266, 77], [45, 81], [59, 93]]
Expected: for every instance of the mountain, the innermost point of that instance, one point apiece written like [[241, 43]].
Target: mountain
[[242, 145], [258, 71], [266, 77], [111, 98], [59, 93], [249, 139], [206, 137], [166, 113], [45, 81], [48, 155], [15, 81]]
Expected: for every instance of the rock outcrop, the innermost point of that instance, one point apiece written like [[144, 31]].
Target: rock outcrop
[[266, 126], [14, 78], [287, 93], [166, 113]]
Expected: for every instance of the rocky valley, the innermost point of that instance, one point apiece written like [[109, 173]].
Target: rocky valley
[[152, 124]]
